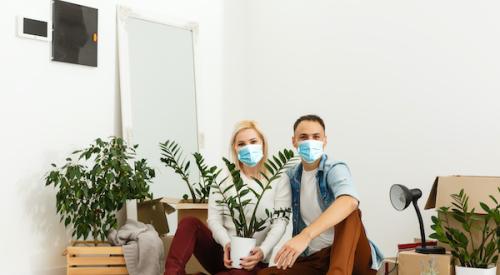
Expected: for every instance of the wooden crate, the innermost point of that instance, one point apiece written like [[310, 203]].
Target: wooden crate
[[95, 260]]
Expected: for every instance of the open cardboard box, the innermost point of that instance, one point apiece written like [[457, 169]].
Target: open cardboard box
[[476, 187], [155, 212]]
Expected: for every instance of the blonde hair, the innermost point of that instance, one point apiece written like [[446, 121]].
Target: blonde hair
[[243, 125]]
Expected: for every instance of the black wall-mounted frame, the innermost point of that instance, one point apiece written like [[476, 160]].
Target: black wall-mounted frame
[[74, 33]]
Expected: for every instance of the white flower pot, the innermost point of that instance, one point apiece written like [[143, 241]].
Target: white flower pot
[[240, 248], [460, 270]]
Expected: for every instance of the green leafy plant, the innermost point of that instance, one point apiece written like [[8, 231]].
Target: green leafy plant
[[95, 182], [172, 157], [238, 201], [463, 248]]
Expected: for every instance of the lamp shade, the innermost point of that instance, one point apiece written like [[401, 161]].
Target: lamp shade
[[401, 197]]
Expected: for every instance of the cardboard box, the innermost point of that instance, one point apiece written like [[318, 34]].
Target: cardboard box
[[389, 267], [413, 263], [193, 266], [155, 212], [185, 208], [477, 188]]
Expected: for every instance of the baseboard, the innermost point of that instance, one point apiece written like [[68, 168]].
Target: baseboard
[[52, 271]]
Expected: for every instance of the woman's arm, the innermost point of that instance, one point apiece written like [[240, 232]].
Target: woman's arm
[[282, 200], [215, 219]]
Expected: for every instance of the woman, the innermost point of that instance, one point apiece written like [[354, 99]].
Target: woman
[[212, 246]]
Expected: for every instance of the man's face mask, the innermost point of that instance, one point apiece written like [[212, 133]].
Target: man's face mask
[[250, 154], [310, 150]]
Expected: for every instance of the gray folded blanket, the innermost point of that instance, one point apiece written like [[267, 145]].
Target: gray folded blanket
[[142, 248]]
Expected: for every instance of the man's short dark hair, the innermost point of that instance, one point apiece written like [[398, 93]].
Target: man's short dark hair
[[308, 118]]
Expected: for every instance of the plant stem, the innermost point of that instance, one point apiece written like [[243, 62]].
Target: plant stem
[[254, 214], [242, 215], [193, 195], [227, 205]]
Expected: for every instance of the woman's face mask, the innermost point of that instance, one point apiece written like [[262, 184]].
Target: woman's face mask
[[310, 150], [250, 154]]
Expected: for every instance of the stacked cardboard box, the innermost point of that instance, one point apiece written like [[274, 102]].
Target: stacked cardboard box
[[389, 267], [478, 189]]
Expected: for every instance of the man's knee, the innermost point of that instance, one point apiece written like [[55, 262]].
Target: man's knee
[[353, 218]]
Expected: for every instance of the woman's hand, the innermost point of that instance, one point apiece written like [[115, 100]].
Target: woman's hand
[[291, 250], [227, 256], [249, 262]]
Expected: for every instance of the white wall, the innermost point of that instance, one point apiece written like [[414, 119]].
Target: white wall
[[48, 109], [409, 89]]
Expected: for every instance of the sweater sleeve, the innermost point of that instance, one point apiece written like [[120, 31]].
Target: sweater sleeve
[[282, 200], [215, 218]]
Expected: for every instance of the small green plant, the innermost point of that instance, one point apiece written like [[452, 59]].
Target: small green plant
[[95, 182], [172, 157], [463, 248], [237, 201]]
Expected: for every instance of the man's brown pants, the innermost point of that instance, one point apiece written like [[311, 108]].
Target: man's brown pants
[[349, 254]]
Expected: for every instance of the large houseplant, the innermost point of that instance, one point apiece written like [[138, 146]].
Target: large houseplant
[[173, 157], [473, 258], [95, 182], [234, 196]]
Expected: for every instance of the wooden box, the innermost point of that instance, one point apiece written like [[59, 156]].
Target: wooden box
[[95, 260]]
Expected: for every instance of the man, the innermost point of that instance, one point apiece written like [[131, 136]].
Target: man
[[328, 235]]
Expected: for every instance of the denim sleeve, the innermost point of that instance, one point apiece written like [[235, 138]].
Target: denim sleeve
[[340, 181]]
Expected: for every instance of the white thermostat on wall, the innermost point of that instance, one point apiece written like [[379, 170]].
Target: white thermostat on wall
[[34, 29]]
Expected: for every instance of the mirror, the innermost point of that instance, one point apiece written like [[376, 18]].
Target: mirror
[[158, 91]]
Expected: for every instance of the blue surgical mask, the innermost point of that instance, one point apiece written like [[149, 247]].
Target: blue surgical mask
[[310, 150], [250, 154]]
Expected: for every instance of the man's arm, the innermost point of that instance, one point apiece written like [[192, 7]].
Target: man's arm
[[340, 209]]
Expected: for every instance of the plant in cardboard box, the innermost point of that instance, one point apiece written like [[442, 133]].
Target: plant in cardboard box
[[235, 198], [95, 182], [473, 258], [172, 157]]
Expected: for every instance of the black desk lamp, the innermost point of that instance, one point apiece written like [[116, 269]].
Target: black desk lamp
[[401, 197]]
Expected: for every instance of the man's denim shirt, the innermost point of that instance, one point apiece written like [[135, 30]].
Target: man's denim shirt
[[334, 180]]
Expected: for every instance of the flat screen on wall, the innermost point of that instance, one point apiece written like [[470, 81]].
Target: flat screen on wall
[[74, 34]]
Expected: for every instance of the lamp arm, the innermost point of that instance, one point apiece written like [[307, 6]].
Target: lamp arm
[[421, 222]]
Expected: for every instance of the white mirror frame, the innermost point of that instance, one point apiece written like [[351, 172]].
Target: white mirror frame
[[123, 13]]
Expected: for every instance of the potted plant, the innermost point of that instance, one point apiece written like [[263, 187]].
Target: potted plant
[[473, 258], [172, 157], [195, 204], [95, 182], [234, 198]]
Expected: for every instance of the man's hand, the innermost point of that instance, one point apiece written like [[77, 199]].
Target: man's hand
[[227, 256], [291, 250], [249, 262]]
